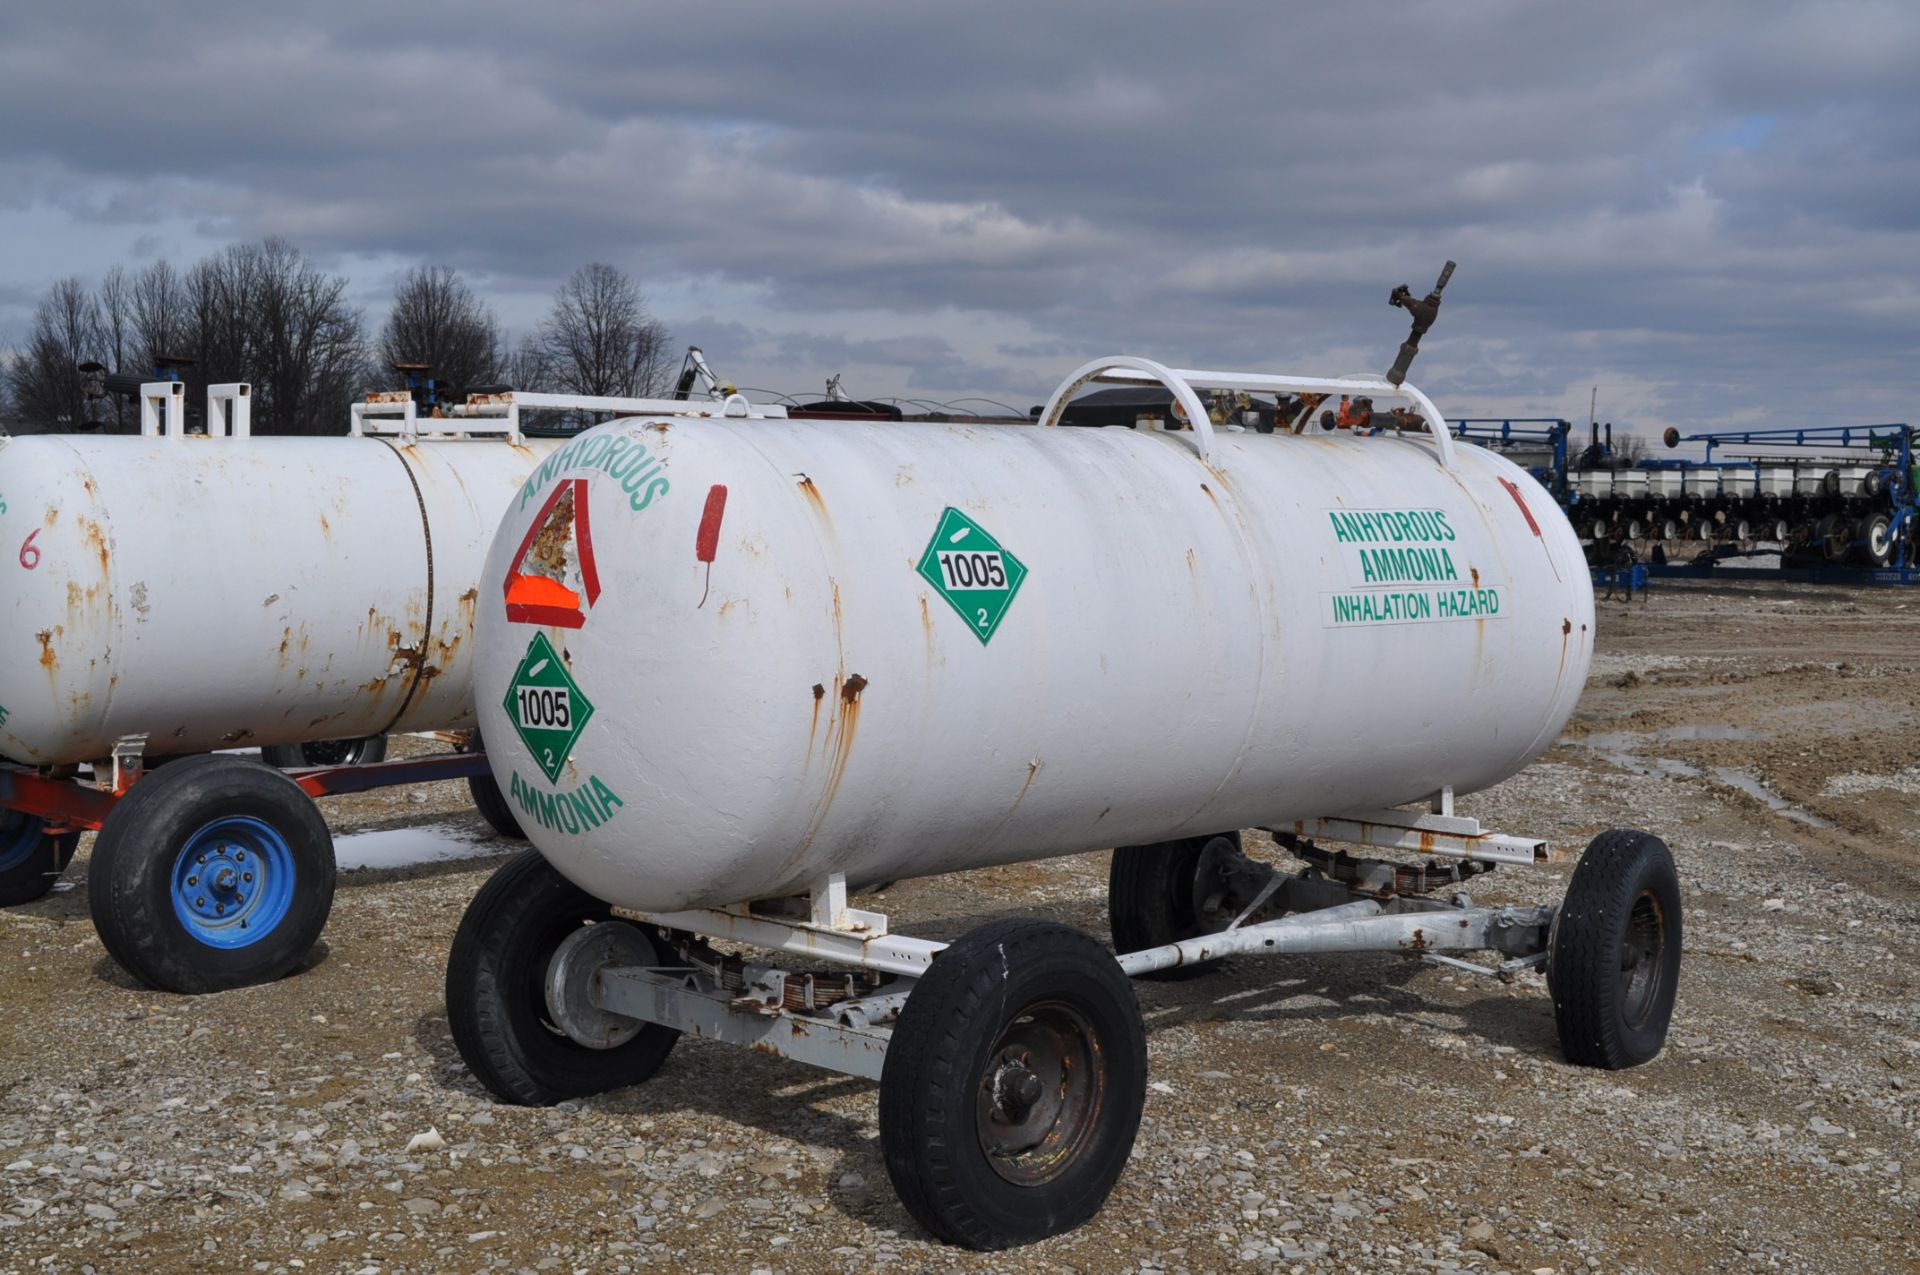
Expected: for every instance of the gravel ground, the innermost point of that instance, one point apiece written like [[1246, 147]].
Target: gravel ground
[[1361, 1114]]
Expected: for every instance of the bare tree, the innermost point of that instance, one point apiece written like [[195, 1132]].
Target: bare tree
[[254, 312], [600, 339], [262, 313], [43, 379], [160, 315], [437, 320], [527, 369], [116, 337], [1628, 450], [308, 351]]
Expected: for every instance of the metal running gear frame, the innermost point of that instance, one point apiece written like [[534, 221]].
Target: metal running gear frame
[[765, 1006]]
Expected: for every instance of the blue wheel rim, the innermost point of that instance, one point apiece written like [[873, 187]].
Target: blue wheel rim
[[233, 882], [19, 837]]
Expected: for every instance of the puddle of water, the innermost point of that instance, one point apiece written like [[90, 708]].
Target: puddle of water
[[1611, 747], [406, 847], [1622, 739], [1746, 782]]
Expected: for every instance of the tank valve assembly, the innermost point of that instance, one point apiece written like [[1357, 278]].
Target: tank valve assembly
[[1424, 312]]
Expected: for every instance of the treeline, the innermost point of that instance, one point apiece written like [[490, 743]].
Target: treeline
[[265, 314]]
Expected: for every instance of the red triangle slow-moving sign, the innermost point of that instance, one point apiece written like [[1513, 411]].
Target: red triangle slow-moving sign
[[540, 596]]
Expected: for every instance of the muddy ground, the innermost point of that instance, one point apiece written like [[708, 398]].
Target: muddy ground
[[1359, 1114]]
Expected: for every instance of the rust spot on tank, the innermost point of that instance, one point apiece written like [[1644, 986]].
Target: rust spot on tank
[[86, 481], [1566, 626], [1210, 496], [548, 554], [1418, 942], [469, 601], [1475, 573], [1192, 564], [812, 493], [725, 607], [96, 540], [48, 660], [237, 737], [851, 690], [819, 692]]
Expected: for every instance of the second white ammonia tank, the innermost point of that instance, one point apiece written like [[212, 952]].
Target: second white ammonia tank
[[219, 592], [719, 660]]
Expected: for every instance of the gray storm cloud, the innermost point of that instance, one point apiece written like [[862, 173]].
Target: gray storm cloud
[[1709, 210]]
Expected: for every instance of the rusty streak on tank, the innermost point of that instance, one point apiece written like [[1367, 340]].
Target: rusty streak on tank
[[812, 493], [97, 541], [839, 746]]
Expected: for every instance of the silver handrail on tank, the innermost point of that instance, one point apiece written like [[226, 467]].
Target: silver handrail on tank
[[1126, 369]]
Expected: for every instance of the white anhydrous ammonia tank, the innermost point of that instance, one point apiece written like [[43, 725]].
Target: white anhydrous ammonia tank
[[214, 592], [720, 660]]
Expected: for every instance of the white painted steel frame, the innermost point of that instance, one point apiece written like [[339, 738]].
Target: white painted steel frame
[[395, 412], [851, 1037]]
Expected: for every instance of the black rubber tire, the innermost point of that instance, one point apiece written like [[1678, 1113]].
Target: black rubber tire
[[129, 878], [1877, 527], [496, 993], [494, 807], [33, 874], [1833, 537], [939, 1055], [1625, 882], [1149, 900], [329, 752], [490, 801]]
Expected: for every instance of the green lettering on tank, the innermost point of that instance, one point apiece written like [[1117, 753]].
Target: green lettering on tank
[[583, 808]]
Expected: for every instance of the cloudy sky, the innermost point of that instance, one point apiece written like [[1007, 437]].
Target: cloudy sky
[[1710, 210]]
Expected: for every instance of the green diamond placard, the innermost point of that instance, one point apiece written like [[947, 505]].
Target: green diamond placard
[[969, 568], [546, 706]]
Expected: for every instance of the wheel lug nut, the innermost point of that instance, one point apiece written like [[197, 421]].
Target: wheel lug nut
[[200, 902], [193, 880], [247, 877]]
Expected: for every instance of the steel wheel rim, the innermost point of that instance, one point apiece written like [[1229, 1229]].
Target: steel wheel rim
[[20, 836], [1642, 953], [333, 752], [1040, 1093], [233, 882]]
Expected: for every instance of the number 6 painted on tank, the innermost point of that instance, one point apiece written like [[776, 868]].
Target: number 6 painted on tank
[[29, 551]]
